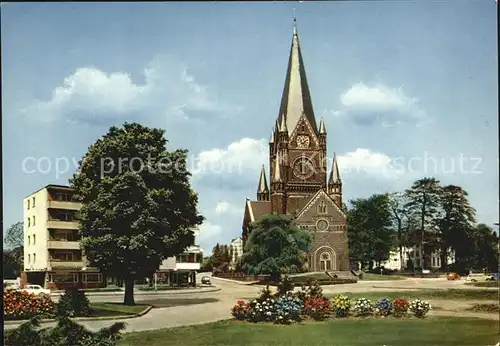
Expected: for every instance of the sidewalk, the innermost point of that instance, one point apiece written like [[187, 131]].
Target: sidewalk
[[139, 292]]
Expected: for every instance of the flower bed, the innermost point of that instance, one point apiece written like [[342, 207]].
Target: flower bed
[[309, 303], [22, 305]]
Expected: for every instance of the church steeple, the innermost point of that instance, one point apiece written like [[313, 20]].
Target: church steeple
[[335, 183], [296, 98], [263, 190]]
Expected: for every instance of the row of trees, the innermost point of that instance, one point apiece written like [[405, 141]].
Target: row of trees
[[219, 260], [438, 218], [13, 251]]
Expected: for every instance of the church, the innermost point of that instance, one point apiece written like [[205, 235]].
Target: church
[[298, 183]]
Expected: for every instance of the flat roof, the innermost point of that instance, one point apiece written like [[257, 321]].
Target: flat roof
[[66, 187]]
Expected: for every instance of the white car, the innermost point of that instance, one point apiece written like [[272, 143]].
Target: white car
[[35, 289]]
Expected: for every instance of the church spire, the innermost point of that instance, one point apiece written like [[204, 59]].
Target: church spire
[[263, 189], [296, 98], [322, 129], [334, 174], [277, 170]]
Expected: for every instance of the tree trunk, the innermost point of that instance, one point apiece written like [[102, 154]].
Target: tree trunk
[[129, 292], [151, 281]]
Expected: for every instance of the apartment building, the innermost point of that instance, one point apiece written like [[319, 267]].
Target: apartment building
[[415, 255], [52, 254], [236, 248], [181, 270]]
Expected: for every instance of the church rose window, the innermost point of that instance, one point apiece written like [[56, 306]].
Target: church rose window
[[322, 225]]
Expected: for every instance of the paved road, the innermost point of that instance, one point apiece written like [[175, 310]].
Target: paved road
[[227, 296]]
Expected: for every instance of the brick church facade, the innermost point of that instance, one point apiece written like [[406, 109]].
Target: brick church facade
[[298, 183]]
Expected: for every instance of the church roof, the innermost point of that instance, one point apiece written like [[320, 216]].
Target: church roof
[[257, 209], [296, 98]]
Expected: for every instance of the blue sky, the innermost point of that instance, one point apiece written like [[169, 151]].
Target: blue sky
[[407, 90]]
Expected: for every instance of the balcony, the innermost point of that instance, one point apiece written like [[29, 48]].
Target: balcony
[[187, 266], [58, 224], [64, 205], [57, 264], [63, 245]]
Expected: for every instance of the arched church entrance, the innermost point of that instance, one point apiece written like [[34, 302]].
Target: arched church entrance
[[325, 259]]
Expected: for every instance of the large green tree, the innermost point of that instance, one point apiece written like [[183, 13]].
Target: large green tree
[[370, 229], [423, 202], [14, 236], [483, 242], [138, 205], [275, 246], [456, 219]]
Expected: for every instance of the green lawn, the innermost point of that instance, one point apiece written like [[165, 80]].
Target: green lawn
[[378, 277], [484, 284], [406, 332], [115, 309], [450, 294]]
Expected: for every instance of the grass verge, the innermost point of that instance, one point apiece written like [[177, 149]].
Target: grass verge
[[483, 284], [493, 308], [378, 277], [451, 294], [405, 332]]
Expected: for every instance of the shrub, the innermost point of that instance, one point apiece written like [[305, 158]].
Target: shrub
[[363, 307], [399, 307], [265, 294], [73, 303], [419, 307], [241, 311], [66, 332], [312, 289], [341, 305], [286, 285], [263, 311], [383, 307], [288, 309], [23, 305], [318, 308]]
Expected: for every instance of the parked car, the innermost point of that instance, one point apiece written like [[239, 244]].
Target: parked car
[[496, 276], [35, 289], [205, 280], [476, 277], [453, 276]]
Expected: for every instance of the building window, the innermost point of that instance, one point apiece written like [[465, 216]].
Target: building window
[[417, 262], [325, 261], [63, 216], [33, 202], [33, 220], [34, 257], [29, 258], [433, 261], [63, 278], [65, 197], [92, 278], [322, 207], [28, 204], [34, 239], [67, 256], [29, 222], [417, 253], [29, 240]]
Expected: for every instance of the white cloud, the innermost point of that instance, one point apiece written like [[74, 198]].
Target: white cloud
[[378, 96], [208, 232], [226, 208], [382, 104], [367, 161], [90, 93], [239, 157]]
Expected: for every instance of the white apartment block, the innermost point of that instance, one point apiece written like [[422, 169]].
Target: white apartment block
[[181, 270], [415, 254], [236, 246], [52, 254]]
